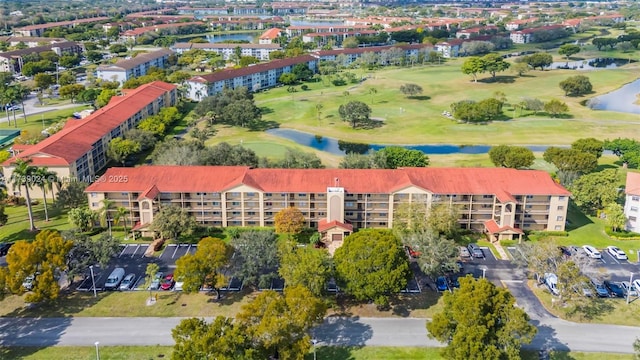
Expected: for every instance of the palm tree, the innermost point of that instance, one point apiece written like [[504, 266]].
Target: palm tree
[[45, 180], [23, 175], [105, 211], [22, 92], [121, 213], [372, 91]]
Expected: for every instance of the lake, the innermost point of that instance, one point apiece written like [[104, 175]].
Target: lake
[[338, 147], [590, 64], [621, 100]]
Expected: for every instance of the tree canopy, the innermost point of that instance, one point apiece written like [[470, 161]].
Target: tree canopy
[[480, 321], [355, 112], [204, 267], [289, 221], [172, 221], [372, 265], [516, 157], [437, 253], [259, 257], [305, 266], [576, 85], [592, 192], [397, 156], [411, 90]]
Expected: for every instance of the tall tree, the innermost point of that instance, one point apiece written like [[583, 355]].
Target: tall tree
[[411, 90], [44, 258], [305, 266], [493, 63], [44, 180], [23, 176], [121, 215], [259, 257], [576, 85], [481, 321], [119, 149], [205, 266], [397, 156], [443, 219], [289, 221], [220, 339], [568, 49], [437, 253], [356, 113], [589, 145], [592, 192], [615, 216], [87, 251], [172, 221], [372, 265], [82, 218], [278, 336], [516, 157], [150, 273], [555, 107], [72, 194], [473, 66]]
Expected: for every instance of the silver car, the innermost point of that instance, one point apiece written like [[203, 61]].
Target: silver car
[[128, 282], [155, 283]]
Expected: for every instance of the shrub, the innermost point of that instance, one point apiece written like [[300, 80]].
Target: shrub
[[622, 234]]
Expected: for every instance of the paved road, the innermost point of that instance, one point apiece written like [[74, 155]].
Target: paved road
[[30, 108], [553, 333]]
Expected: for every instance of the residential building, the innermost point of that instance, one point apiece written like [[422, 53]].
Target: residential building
[[450, 48], [30, 41], [124, 70], [78, 151], [12, 61], [259, 51], [354, 54], [324, 38], [500, 202], [632, 202], [256, 77], [269, 36], [519, 23], [39, 29], [526, 36], [134, 34]]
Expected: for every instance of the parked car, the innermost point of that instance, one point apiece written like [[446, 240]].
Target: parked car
[[412, 253], [615, 290], [628, 289], [551, 280], [128, 282], [464, 252], [475, 250], [564, 251], [179, 282], [601, 289], [28, 282], [441, 284], [636, 285], [4, 248], [155, 283], [168, 282], [586, 290], [114, 279], [616, 253], [592, 252]]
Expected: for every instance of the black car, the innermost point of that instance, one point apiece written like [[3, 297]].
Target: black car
[[4, 248], [614, 289]]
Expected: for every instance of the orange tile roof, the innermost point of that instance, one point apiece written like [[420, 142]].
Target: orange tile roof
[[493, 228], [324, 225], [61, 23], [72, 142], [468, 181], [632, 186], [271, 33]]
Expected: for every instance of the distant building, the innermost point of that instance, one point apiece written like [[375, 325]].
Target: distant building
[[269, 36], [124, 70], [632, 202], [12, 61], [30, 41], [526, 36], [259, 51], [39, 29], [78, 151]]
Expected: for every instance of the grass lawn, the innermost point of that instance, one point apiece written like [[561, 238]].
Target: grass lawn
[[17, 228], [35, 121], [603, 311], [322, 353], [419, 121]]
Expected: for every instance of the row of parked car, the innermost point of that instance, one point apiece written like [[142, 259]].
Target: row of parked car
[[603, 289], [594, 253], [118, 281]]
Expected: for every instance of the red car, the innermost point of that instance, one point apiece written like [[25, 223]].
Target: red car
[[168, 282]]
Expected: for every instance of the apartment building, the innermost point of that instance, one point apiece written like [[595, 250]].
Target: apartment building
[[498, 201], [528, 35], [39, 29], [227, 51], [269, 36], [254, 78], [29, 41], [124, 70], [632, 202], [134, 34], [78, 151], [12, 61]]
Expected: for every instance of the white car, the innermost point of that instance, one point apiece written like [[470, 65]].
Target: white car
[[27, 284], [628, 288], [592, 252], [616, 253]]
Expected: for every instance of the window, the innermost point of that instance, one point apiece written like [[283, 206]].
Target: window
[[349, 204], [559, 218], [124, 194], [215, 203], [634, 208], [235, 203], [268, 194], [251, 194], [560, 207], [94, 204], [632, 218], [349, 213], [561, 197], [487, 196], [558, 227], [93, 195], [635, 198], [529, 197]]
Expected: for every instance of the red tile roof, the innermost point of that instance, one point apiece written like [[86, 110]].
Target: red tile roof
[[142, 30], [493, 228], [234, 73], [271, 34], [468, 181], [69, 144], [61, 23], [370, 49], [323, 225], [136, 61], [632, 186]]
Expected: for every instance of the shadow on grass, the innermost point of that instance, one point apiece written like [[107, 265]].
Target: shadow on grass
[[333, 353], [576, 218], [67, 304], [420, 97], [500, 79], [262, 125], [591, 309]]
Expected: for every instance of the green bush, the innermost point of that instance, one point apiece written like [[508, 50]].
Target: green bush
[[623, 234]]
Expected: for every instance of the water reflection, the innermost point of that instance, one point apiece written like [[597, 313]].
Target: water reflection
[[625, 99]]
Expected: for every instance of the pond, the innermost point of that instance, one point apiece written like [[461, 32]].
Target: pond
[[591, 64], [339, 147], [625, 99], [216, 38]]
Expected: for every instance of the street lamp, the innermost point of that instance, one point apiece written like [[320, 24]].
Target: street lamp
[[93, 281], [57, 81], [630, 287], [314, 342], [97, 351], [484, 270], [109, 224]]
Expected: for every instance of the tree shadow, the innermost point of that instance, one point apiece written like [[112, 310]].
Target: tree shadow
[[499, 79], [576, 218], [546, 342], [371, 124], [343, 331], [333, 353], [591, 309], [262, 125], [29, 335], [266, 110], [558, 116], [419, 97]]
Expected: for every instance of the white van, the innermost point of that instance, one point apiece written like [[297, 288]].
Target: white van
[[113, 281], [551, 280]]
